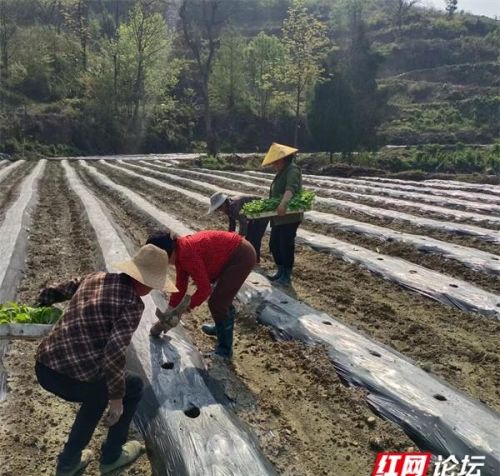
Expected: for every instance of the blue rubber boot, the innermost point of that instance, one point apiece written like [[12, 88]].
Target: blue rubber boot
[[209, 329], [277, 275], [224, 332]]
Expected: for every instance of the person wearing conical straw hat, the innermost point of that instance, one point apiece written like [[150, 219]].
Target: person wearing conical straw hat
[[287, 183], [83, 358], [252, 229]]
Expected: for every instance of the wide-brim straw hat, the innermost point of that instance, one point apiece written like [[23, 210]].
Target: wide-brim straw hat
[[149, 266], [277, 152], [216, 201]]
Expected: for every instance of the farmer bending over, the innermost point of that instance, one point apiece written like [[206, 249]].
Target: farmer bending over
[[209, 257], [83, 358], [252, 229]]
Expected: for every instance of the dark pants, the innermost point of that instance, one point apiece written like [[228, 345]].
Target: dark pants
[[255, 233], [94, 401], [231, 279], [282, 244]]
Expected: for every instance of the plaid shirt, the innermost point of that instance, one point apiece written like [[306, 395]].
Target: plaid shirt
[[235, 204], [90, 340]]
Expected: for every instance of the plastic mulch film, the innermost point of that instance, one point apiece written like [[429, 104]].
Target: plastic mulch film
[[137, 157], [443, 184], [367, 191], [432, 284], [422, 188], [495, 189], [467, 204], [392, 202], [455, 228], [187, 431], [7, 169], [439, 418], [471, 257], [14, 232]]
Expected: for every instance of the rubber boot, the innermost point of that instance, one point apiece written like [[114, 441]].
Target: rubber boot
[[286, 277], [130, 452], [209, 329], [84, 461], [277, 275], [224, 332]]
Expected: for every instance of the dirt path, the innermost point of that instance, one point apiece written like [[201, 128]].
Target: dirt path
[[9, 186], [460, 347], [307, 422], [35, 423]]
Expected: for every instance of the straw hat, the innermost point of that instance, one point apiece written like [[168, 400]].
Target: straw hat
[[216, 201], [149, 266], [277, 152]]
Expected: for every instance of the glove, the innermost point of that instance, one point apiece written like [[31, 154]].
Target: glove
[[158, 328]]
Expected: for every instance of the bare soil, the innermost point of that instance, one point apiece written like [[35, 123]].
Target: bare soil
[[35, 423], [483, 279], [384, 222], [418, 212], [307, 422], [460, 347]]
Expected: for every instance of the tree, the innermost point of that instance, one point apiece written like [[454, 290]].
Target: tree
[[400, 10], [331, 115], [346, 105], [201, 25], [76, 17], [130, 75], [265, 59], [227, 81], [8, 29], [145, 36], [451, 7], [305, 42]]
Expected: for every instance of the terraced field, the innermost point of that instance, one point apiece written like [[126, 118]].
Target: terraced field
[[388, 339]]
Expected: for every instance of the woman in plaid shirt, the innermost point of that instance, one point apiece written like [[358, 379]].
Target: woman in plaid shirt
[[83, 358]]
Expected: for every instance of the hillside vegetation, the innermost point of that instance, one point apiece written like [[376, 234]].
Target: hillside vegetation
[[127, 76]]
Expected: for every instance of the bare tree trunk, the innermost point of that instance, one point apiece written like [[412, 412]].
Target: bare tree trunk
[[297, 119], [203, 61]]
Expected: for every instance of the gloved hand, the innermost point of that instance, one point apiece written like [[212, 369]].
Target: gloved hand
[[170, 318]]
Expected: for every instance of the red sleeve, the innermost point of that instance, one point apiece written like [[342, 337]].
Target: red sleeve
[[181, 283], [196, 269]]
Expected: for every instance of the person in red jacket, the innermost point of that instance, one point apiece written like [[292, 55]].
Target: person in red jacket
[[208, 257]]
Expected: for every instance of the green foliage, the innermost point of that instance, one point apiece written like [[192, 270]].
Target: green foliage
[[12, 312], [265, 61], [306, 43], [80, 76], [346, 105], [227, 81], [300, 202]]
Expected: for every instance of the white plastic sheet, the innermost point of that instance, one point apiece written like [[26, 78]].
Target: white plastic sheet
[[14, 233], [422, 188], [214, 442], [471, 257], [432, 284], [436, 416], [444, 184], [7, 169]]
